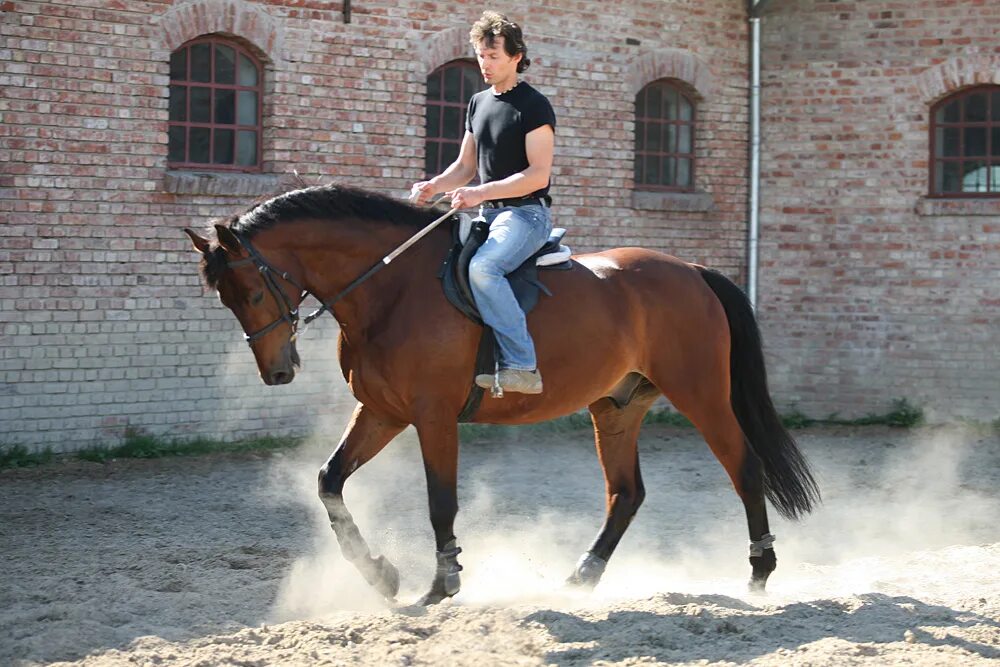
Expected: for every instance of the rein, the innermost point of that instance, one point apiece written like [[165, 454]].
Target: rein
[[289, 313]]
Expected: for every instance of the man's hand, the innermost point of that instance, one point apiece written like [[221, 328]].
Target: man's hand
[[466, 197], [422, 191]]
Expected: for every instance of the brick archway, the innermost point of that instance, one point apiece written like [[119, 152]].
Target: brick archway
[[941, 80], [241, 19], [441, 48], [670, 64]]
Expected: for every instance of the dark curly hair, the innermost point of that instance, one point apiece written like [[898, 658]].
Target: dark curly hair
[[494, 24]]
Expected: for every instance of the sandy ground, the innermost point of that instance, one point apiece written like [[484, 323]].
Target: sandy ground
[[228, 560]]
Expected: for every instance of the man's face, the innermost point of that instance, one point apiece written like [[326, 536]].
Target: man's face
[[497, 67]]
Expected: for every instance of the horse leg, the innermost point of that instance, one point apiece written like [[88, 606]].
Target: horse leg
[[717, 423], [616, 433], [366, 435], [439, 446]]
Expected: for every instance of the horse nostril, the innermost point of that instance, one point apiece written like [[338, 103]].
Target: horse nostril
[[281, 377]]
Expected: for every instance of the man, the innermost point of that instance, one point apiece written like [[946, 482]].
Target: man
[[510, 135]]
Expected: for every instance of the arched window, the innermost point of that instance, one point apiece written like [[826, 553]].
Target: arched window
[[664, 138], [215, 106], [449, 89], [965, 144]]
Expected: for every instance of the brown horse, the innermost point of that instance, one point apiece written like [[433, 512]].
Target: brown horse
[[623, 327]]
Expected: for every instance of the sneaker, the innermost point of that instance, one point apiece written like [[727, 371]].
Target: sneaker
[[521, 382]]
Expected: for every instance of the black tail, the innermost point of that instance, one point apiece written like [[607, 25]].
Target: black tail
[[788, 483]]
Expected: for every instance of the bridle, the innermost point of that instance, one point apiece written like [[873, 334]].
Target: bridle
[[290, 313]]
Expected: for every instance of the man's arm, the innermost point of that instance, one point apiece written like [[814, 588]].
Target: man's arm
[[539, 144], [456, 175]]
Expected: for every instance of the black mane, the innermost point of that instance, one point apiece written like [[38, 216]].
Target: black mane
[[321, 202]]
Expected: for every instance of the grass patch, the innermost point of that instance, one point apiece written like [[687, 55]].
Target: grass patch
[[139, 445], [18, 456]]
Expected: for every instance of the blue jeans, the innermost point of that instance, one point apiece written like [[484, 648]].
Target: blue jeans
[[516, 233]]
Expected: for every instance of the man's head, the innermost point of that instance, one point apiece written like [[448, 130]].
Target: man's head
[[495, 34]]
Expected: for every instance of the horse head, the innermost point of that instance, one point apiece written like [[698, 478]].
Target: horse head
[[264, 299]]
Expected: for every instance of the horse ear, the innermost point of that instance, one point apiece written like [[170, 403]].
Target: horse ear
[[227, 239], [200, 244]]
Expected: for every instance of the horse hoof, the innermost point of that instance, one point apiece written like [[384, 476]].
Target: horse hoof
[[388, 578], [589, 571]]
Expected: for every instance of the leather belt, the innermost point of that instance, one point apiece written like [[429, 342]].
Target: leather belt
[[520, 201]]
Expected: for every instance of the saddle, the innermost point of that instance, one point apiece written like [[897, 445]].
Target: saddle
[[469, 234]]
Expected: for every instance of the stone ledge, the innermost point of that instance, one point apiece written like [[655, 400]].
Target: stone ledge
[[971, 206], [219, 184], [673, 201]]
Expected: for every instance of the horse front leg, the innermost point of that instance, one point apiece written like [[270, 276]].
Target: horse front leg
[[366, 435], [439, 447]]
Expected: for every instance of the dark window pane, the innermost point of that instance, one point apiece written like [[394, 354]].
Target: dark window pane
[[654, 108], [225, 64], [247, 75], [653, 137], [434, 86], [684, 138], [178, 103], [449, 153], [200, 142], [451, 123], [667, 169], [246, 147], [974, 176], [950, 113], [640, 103], [179, 65], [653, 169], [637, 166], [433, 121], [247, 107], [640, 135], [223, 153], [670, 103], [452, 85], [975, 141], [995, 107], [686, 110], [473, 83], [201, 105], [225, 106], [684, 172], [201, 62], [175, 143], [431, 159], [949, 142], [975, 108], [670, 138], [947, 177], [995, 150]]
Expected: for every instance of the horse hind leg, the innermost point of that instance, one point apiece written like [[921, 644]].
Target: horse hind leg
[[717, 423], [616, 434]]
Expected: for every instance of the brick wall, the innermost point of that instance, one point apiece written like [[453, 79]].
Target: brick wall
[[103, 322], [869, 291]]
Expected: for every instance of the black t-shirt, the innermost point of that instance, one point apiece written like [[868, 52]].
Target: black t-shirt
[[500, 123]]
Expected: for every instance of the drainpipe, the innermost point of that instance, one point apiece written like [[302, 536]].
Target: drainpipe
[[754, 231]]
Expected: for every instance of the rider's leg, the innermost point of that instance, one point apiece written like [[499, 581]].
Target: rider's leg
[[515, 234]]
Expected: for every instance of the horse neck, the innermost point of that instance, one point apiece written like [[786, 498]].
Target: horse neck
[[331, 255]]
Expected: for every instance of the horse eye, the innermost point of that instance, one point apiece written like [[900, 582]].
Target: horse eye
[[257, 298]]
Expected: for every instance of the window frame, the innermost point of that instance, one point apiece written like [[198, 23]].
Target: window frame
[[462, 64], [992, 161], [235, 126], [676, 87]]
